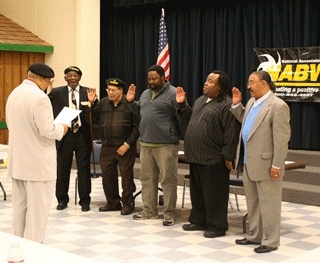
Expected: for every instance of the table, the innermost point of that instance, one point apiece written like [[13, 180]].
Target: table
[[37, 253], [291, 165]]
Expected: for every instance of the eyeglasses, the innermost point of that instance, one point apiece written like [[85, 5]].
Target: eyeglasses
[[112, 90], [250, 83]]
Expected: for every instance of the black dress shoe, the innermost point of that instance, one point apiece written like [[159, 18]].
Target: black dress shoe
[[212, 233], [95, 176], [110, 207], [126, 210], [85, 208], [61, 206], [264, 249], [245, 241], [193, 227]]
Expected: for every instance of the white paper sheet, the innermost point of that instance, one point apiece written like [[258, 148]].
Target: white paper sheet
[[66, 115]]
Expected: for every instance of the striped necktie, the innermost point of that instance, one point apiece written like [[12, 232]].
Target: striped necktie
[[75, 121]]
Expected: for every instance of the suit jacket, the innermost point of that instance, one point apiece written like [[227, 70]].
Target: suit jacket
[[267, 143], [59, 97], [32, 134]]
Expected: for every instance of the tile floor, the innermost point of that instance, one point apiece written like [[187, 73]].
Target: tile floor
[[110, 237]]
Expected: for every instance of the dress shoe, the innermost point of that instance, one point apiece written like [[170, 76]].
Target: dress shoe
[[85, 208], [212, 233], [193, 227], [95, 176], [264, 249], [126, 210], [245, 241], [109, 207], [61, 206]]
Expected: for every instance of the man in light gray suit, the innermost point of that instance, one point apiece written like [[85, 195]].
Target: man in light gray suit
[[32, 154], [263, 145]]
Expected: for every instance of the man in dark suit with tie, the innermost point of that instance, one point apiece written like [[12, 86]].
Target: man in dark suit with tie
[[76, 141]]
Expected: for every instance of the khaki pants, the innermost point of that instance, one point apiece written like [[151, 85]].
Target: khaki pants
[[159, 164]]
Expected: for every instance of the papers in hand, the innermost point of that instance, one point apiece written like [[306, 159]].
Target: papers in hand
[[66, 115]]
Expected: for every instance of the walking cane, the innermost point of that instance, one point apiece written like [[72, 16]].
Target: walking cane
[[92, 144]]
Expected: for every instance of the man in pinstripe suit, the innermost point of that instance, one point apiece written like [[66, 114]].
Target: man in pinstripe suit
[[210, 147]]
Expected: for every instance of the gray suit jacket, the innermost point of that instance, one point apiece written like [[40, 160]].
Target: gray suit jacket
[[267, 143]]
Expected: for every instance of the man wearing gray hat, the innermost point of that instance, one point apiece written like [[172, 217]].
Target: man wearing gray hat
[[32, 155], [77, 140]]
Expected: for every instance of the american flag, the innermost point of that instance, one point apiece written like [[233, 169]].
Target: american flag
[[163, 47]]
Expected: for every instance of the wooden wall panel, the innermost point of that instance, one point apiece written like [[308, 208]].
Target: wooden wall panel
[[13, 70]]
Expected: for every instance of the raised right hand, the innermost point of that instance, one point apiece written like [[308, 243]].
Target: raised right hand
[[131, 94], [92, 96], [180, 95], [236, 96]]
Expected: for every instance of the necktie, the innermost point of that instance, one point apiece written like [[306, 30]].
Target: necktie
[[74, 123]]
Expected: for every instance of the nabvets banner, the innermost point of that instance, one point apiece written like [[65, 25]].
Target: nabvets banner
[[295, 71]]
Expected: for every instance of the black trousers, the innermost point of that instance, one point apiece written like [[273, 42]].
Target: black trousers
[[73, 143], [209, 193]]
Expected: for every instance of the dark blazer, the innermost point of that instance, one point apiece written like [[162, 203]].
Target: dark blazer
[[60, 98]]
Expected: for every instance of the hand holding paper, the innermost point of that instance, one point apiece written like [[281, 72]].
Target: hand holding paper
[[66, 115]]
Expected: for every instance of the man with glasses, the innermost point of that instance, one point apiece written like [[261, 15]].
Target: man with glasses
[[263, 145], [77, 140], [119, 135]]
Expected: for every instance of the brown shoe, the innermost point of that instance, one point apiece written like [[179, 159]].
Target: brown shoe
[[110, 207], [126, 210]]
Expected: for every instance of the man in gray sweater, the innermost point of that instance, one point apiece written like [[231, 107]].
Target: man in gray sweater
[[160, 132]]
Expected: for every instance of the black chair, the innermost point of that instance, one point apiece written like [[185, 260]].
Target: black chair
[[236, 183], [4, 192], [1, 186], [95, 159], [186, 179]]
